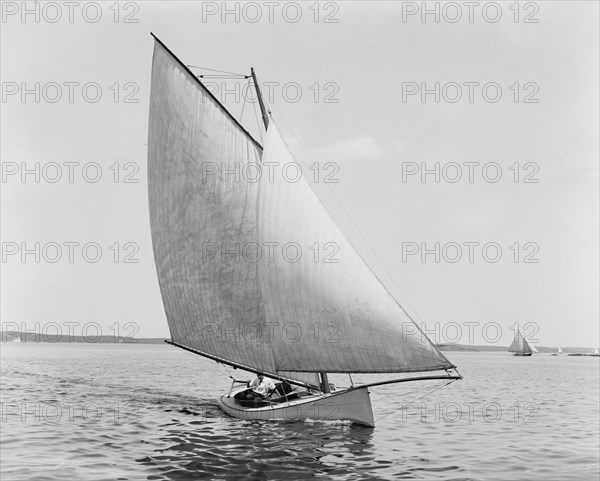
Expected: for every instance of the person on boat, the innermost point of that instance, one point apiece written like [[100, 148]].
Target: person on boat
[[261, 388]]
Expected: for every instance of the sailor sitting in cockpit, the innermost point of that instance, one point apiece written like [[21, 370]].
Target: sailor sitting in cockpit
[[260, 388]]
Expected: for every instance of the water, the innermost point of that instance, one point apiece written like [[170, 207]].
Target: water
[[100, 411]]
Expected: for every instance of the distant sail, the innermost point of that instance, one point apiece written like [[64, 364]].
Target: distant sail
[[322, 291], [560, 351], [520, 345], [531, 346]]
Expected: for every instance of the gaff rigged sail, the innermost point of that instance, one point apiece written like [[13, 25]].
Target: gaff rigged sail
[[520, 345], [229, 289]]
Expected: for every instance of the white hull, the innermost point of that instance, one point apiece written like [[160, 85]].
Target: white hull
[[349, 405]]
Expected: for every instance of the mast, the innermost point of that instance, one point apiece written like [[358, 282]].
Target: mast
[[323, 375], [325, 383], [263, 110]]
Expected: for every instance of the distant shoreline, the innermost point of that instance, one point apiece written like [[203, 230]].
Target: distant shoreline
[[34, 337], [10, 337]]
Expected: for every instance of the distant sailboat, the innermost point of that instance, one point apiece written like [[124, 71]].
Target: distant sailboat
[[560, 351], [293, 321], [521, 346]]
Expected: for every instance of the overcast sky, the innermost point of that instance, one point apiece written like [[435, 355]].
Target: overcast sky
[[517, 96]]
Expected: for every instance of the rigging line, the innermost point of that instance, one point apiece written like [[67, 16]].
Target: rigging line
[[360, 233], [244, 102], [231, 77], [421, 397], [215, 70], [415, 391], [436, 389], [222, 366], [223, 77], [226, 370]]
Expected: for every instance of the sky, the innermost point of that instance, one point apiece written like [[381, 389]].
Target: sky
[[464, 144]]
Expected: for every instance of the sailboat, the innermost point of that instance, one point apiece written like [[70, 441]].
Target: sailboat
[[521, 346], [240, 280]]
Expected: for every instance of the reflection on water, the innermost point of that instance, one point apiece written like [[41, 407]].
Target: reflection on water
[[90, 412], [261, 450]]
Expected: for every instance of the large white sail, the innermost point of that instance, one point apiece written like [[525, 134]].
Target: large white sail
[[229, 290], [333, 314], [203, 212]]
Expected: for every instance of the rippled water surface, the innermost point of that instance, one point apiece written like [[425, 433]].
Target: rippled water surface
[[93, 411]]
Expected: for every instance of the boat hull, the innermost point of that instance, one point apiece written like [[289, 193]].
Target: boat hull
[[522, 354], [349, 405]]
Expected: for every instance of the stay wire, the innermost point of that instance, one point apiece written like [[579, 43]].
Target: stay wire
[[227, 372], [244, 102], [215, 70], [420, 397], [229, 77]]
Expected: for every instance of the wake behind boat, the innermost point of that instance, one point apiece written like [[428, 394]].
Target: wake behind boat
[[285, 313]]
